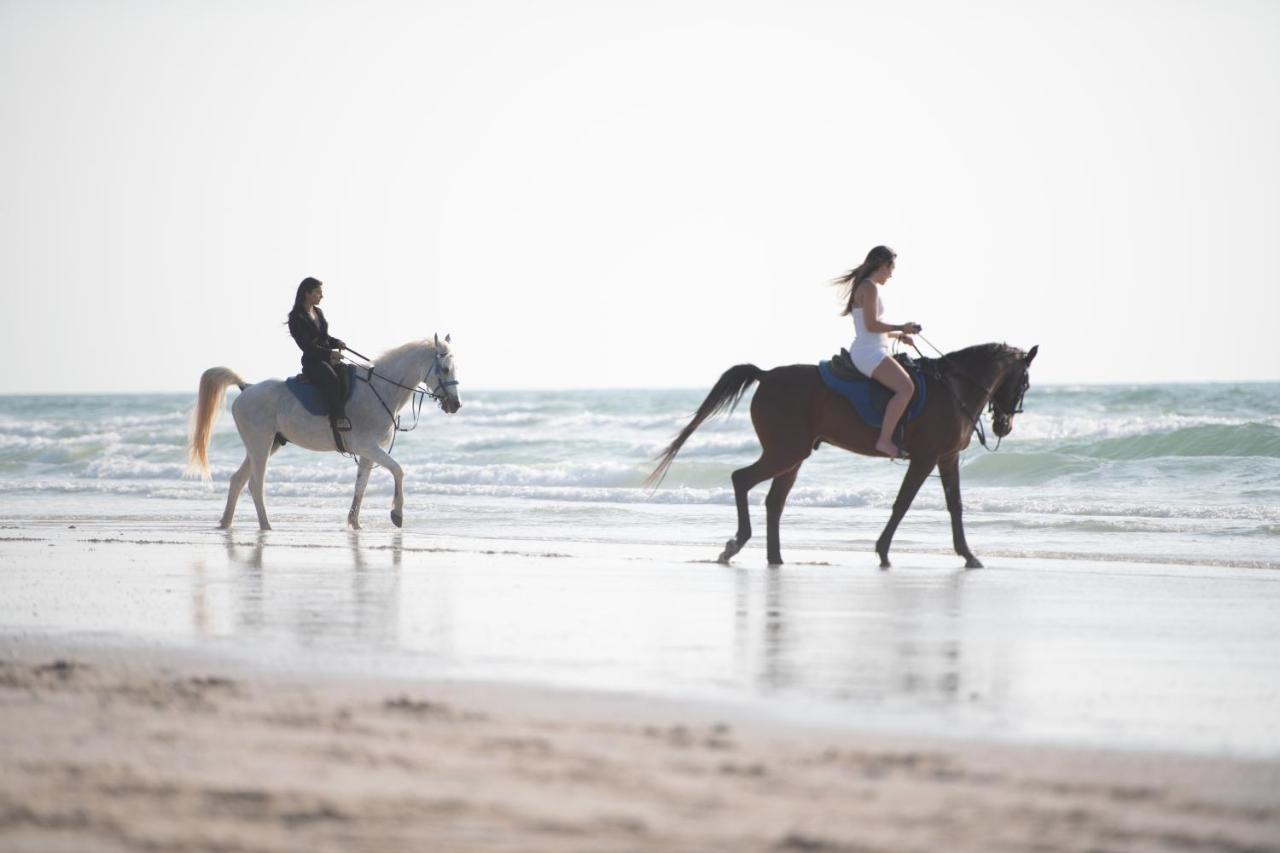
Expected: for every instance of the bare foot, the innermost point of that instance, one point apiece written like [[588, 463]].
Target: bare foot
[[888, 448]]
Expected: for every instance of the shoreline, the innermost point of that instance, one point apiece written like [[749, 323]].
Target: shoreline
[[1083, 654], [330, 521], [138, 747]]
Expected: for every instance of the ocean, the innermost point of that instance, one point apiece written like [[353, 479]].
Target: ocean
[[1148, 473]]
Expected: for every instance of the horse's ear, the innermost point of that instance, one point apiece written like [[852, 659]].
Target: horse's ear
[[448, 338], [437, 336], [1031, 355]]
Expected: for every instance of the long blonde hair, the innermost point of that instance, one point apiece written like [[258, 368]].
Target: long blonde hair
[[876, 258]]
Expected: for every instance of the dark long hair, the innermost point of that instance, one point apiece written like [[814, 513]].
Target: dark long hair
[[307, 285], [876, 258]]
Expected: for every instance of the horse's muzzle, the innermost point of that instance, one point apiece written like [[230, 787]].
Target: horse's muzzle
[[450, 405], [1002, 425]]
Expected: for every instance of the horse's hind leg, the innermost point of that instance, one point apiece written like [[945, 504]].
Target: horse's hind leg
[[362, 480], [258, 457], [768, 466], [238, 481], [774, 504]]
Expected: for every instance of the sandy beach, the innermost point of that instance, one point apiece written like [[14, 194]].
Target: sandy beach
[[134, 749], [547, 245], [170, 687]]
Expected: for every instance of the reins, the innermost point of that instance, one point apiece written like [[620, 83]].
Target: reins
[[990, 392]]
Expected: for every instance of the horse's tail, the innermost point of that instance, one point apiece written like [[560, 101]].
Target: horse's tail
[[213, 386], [733, 383]]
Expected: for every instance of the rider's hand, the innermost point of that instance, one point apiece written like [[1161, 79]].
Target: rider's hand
[[912, 328], [907, 340], [334, 356]]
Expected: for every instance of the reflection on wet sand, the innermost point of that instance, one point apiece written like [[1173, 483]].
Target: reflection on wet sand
[[1077, 650], [271, 589], [872, 643], [375, 593]]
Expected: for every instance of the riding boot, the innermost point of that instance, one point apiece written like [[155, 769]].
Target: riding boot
[[334, 418]]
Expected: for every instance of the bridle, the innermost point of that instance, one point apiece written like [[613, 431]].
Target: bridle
[[419, 393], [997, 412]]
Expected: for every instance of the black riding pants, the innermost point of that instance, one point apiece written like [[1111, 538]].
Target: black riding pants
[[332, 384]]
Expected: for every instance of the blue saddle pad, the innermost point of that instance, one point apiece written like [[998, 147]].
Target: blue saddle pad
[[870, 398], [309, 395]]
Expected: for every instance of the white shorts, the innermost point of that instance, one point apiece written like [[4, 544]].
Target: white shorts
[[867, 359]]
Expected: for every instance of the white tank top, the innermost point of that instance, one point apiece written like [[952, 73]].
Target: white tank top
[[863, 339]]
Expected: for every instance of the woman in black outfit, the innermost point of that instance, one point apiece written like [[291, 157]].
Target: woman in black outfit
[[320, 351]]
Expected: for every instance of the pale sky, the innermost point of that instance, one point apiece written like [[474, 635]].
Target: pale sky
[[597, 194]]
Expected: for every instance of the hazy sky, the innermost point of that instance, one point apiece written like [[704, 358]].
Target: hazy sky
[[594, 194]]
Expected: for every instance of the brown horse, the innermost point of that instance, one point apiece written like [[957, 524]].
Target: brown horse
[[793, 411]]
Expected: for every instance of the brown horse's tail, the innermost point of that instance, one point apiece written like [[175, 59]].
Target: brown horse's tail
[[213, 385], [733, 383]]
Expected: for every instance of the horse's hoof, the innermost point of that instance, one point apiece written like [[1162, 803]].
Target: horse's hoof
[[397, 519], [224, 525], [884, 562], [775, 564], [730, 548], [972, 562]]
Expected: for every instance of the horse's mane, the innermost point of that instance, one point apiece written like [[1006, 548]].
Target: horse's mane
[[396, 361], [982, 353], [395, 353]]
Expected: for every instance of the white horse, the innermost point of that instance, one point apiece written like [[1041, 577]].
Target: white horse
[[265, 410]]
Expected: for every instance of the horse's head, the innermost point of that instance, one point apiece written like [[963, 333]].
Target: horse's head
[[442, 377], [1007, 399]]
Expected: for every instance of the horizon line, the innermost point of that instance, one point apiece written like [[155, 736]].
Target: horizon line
[[650, 388]]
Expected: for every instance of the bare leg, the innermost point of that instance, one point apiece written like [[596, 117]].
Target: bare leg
[[891, 375], [917, 472], [774, 504], [362, 480], [377, 454], [949, 470]]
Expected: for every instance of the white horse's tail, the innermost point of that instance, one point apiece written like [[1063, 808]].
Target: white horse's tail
[[213, 386]]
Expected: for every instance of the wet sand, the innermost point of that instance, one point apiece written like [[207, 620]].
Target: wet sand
[[164, 687]]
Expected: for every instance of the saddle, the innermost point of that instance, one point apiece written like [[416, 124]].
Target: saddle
[[309, 395], [868, 397]]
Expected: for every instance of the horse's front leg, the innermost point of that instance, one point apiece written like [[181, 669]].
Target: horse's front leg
[[917, 473], [949, 470], [384, 459], [362, 481]]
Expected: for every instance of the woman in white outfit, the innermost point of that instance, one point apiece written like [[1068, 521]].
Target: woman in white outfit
[[870, 348]]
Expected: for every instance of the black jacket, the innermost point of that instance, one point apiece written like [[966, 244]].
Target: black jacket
[[312, 337]]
